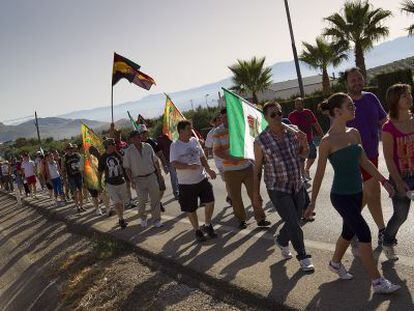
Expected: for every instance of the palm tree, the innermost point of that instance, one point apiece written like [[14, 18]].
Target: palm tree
[[251, 76], [408, 7], [321, 55], [360, 24]]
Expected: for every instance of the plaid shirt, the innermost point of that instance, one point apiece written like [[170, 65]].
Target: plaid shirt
[[282, 161]]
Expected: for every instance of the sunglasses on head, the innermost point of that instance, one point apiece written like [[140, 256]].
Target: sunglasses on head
[[273, 114]]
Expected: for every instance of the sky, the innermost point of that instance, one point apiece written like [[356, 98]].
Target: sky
[[56, 56]]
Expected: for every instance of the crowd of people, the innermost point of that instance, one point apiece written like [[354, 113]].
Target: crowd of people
[[284, 154]]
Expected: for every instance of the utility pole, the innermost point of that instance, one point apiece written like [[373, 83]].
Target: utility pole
[[207, 95], [37, 128], [295, 54]]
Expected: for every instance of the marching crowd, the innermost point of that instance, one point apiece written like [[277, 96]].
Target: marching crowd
[[284, 154]]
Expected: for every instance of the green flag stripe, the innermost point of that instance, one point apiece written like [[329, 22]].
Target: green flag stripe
[[236, 124]]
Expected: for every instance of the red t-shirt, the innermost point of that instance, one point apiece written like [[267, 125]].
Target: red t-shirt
[[304, 120]]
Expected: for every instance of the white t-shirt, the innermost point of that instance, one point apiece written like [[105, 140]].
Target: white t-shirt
[[188, 153], [29, 168], [210, 144], [53, 170]]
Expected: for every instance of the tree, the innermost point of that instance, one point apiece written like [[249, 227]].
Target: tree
[[407, 6], [321, 55], [360, 24], [251, 76]]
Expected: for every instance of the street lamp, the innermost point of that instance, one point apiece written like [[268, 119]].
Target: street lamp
[[295, 54], [207, 95]]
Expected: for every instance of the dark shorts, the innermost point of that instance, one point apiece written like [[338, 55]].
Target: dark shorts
[[75, 183], [312, 151], [189, 195], [365, 175], [31, 180]]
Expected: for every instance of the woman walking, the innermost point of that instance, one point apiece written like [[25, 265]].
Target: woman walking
[[342, 146], [398, 143]]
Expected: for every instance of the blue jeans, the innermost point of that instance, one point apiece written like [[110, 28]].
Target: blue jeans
[[401, 204], [289, 207], [174, 179]]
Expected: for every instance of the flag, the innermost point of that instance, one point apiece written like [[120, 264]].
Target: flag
[[141, 120], [134, 124], [170, 119], [93, 147], [125, 68], [245, 123]]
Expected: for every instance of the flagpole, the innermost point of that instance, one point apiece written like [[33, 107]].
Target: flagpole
[[112, 103]]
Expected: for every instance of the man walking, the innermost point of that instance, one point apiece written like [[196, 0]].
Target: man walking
[[280, 148], [192, 167], [236, 172], [143, 170], [306, 121], [110, 163], [164, 143], [369, 118]]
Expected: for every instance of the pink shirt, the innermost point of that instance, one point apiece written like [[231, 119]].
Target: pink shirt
[[304, 120], [403, 148]]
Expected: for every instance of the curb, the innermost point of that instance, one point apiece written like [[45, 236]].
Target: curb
[[223, 290]]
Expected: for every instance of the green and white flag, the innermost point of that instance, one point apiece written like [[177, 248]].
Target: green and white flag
[[245, 123]]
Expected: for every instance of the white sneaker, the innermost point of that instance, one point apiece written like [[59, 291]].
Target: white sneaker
[[385, 287], [390, 252], [306, 265], [158, 224], [144, 223], [98, 212], [341, 271], [284, 249]]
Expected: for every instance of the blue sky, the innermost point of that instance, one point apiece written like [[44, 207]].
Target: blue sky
[[56, 56]]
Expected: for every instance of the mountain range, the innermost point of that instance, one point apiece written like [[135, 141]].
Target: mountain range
[[153, 105], [67, 125]]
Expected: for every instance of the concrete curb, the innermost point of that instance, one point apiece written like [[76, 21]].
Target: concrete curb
[[223, 290]]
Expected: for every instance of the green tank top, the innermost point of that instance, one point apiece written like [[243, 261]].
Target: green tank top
[[347, 175]]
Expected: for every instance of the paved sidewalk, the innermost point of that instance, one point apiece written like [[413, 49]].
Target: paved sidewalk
[[248, 261]]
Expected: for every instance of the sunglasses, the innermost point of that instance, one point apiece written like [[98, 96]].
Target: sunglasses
[[275, 113]]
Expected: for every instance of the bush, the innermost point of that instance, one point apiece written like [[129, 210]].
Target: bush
[[388, 79]]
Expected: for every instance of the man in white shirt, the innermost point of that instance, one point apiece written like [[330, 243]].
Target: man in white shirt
[[188, 158], [29, 170]]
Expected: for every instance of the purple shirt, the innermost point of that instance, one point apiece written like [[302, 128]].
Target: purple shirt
[[367, 116]]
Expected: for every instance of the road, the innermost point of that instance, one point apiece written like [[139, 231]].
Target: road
[[249, 260]]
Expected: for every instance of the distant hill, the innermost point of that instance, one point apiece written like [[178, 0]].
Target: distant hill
[[153, 105], [58, 128]]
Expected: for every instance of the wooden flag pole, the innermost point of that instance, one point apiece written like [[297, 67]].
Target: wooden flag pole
[[112, 103]]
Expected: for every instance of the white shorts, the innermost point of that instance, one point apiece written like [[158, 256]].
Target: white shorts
[[118, 193]]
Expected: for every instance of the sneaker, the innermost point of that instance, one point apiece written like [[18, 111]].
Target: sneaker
[[83, 209], [162, 207], [242, 225], [383, 286], [200, 236], [286, 254], [122, 223], [144, 223], [389, 252], [340, 271], [209, 230], [306, 265], [79, 209], [380, 237], [264, 223], [158, 224], [98, 212], [131, 204]]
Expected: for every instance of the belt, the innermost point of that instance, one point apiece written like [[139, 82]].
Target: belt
[[145, 175]]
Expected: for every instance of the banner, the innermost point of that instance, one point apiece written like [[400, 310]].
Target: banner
[[93, 148], [245, 123], [170, 119]]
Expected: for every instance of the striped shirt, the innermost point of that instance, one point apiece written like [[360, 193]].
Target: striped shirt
[[282, 161], [221, 142]]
